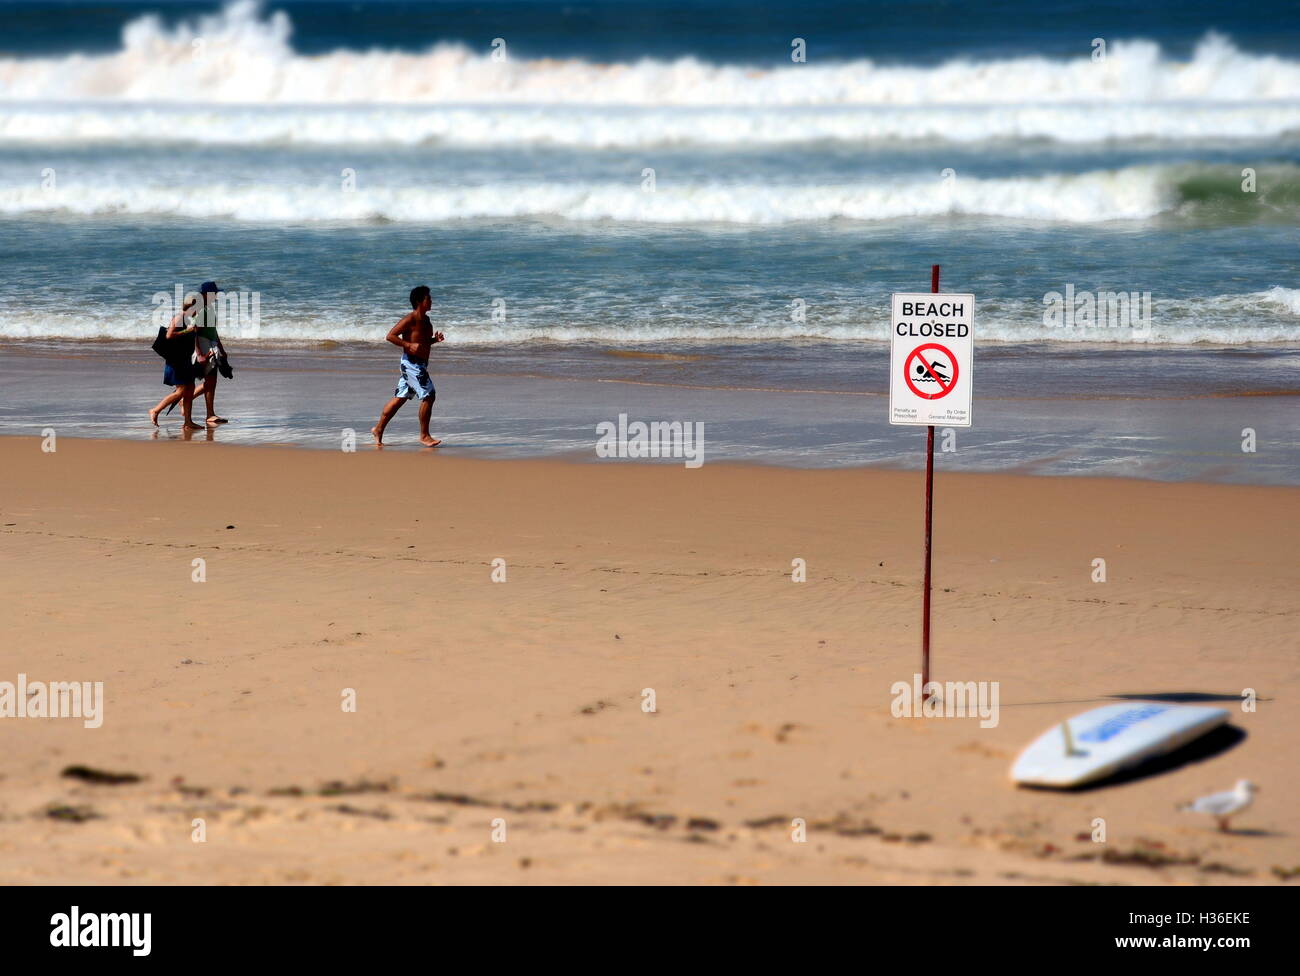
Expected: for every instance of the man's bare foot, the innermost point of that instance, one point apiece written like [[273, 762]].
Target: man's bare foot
[[428, 441], [153, 415], [190, 426], [217, 420], [378, 435]]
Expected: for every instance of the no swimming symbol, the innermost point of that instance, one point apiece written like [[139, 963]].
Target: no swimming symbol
[[930, 371]]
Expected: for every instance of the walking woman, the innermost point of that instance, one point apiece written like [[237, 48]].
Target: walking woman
[[180, 369]]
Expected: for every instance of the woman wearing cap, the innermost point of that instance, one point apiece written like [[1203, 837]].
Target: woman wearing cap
[[208, 350], [179, 371]]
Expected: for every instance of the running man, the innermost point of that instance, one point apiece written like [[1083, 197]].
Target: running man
[[414, 333]]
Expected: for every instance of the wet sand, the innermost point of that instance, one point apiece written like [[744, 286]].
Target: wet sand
[[1169, 415]]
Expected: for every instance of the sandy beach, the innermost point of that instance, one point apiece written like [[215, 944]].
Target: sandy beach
[[519, 705]]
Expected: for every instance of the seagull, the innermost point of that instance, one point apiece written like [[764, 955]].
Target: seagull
[[1224, 805]]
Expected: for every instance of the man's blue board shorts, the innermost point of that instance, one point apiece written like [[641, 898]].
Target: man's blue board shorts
[[414, 383]]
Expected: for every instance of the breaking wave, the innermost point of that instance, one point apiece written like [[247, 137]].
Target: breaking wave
[[240, 56], [1132, 193]]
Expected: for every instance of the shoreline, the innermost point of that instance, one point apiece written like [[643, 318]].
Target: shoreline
[[1190, 424], [409, 446], [523, 699]]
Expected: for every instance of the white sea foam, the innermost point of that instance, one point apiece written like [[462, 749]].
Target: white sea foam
[[1271, 316], [244, 57], [1284, 299], [1127, 194], [626, 127]]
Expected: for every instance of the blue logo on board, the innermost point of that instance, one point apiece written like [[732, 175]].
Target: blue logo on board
[[1114, 726]]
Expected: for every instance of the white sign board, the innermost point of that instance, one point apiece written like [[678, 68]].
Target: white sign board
[[931, 359]]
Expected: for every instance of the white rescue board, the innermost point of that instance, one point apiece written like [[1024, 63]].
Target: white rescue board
[[1102, 741]]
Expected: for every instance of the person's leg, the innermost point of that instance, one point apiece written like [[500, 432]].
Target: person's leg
[[187, 406], [389, 411], [163, 404], [426, 411], [210, 397], [169, 377]]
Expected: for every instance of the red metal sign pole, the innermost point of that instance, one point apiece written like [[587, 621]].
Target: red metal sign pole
[[929, 510]]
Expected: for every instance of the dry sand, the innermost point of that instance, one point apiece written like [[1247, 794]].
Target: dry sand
[[521, 700]]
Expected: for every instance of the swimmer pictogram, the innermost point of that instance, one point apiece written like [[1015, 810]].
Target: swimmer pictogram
[[930, 371]]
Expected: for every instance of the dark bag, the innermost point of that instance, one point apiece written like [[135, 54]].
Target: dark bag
[[179, 348], [224, 368]]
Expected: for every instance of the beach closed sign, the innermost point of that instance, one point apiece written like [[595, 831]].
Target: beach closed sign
[[931, 359]]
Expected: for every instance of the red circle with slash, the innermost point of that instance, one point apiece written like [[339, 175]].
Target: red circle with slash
[[945, 386]]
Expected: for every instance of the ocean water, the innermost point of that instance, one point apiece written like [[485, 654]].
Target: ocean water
[[655, 195]]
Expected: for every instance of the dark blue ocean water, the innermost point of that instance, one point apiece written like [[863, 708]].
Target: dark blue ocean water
[[724, 31]]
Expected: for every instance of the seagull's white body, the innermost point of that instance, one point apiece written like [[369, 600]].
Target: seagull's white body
[[1224, 805]]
